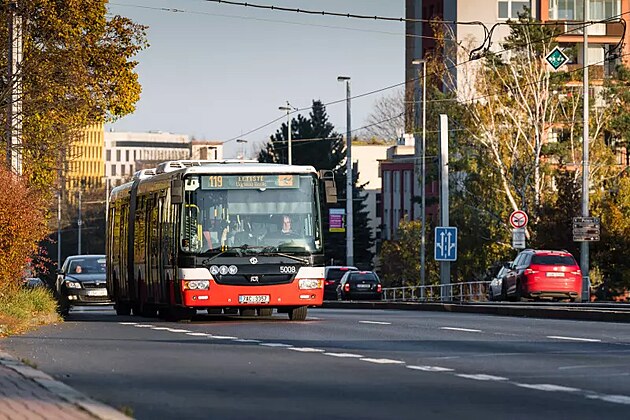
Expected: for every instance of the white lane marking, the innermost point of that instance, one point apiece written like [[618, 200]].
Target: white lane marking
[[459, 329], [586, 340], [344, 355], [618, 399], [482, 377], [313, 318], [198, 334], [222, 337], [586, 366], [383, 361], [307, 349], [160, 328], [127, 323], [178, 330], [430, 368], [375, 322], [144, 326], [548, 387], [275, 345], [246, 340]]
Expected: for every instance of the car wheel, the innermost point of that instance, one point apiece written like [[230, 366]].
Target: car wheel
[[518, 294], [122, 309], [298, 314], [64, 310]]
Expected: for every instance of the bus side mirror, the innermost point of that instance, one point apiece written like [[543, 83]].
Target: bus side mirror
[[330, 187], [176, 191]]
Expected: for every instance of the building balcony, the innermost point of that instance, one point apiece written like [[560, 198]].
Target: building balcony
[[600, 33]]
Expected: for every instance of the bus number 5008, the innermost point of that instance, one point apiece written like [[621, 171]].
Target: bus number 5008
[[287, 269]]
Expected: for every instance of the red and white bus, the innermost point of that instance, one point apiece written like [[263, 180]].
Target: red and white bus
[[218, 236]]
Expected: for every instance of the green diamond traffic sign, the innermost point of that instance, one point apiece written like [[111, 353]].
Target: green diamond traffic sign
[[556, 58]]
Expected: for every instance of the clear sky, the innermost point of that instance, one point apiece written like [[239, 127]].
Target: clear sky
[[216, 71]]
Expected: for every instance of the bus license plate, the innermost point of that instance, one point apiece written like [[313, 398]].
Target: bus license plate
[[97, 292], [253, 299]]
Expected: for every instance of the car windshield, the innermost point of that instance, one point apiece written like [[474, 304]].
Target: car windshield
[[251, 214], [335, 273], [362, 277], [86, 265], [553, 260]]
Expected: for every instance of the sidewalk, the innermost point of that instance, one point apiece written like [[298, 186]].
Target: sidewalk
[[27, 393]]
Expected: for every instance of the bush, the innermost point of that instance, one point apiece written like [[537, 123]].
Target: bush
[[22, 227], [22, 309]]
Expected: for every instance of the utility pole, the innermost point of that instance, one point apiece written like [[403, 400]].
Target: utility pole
[[59, 229], [445, 266], [349, 177], [79, 223], [14, 78], [288, 108], [584, 254], [423, 180]]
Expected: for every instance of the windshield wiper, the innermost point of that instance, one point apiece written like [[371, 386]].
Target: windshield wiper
[[239, 250], [274, 250]]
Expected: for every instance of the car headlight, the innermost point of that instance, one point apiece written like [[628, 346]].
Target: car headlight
[[196, 285], [309, 284], [73, 284]]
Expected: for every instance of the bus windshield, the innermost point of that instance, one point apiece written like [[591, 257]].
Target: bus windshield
[[251, 213]]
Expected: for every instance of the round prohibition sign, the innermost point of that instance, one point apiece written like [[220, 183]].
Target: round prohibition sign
[[518, 219]]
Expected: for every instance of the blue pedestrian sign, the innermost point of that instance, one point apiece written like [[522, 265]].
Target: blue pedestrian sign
[[445, 244]]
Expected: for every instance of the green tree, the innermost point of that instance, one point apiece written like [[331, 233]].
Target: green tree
[[315, 143]]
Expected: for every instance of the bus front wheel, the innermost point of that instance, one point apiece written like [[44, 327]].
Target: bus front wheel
[[298, 314], [122, 309]]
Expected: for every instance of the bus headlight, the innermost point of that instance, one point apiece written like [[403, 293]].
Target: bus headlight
[[309, 284], [196, 285]]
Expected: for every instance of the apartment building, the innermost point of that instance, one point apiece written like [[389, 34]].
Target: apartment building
[[128, 152], [84, 159]]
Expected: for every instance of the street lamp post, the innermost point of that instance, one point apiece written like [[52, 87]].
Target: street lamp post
[[242, 142], [423, 180], [288, 109], [79, 223], [349, 177]]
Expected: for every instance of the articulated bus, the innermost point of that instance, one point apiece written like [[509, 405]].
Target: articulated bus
[[232, 237]]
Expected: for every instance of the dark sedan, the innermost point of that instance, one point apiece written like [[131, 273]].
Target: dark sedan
[[81, 281], [360, 285]]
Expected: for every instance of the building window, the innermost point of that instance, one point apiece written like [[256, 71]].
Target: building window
[[113, 170], [117, 155], [127, 155], [379, 204], [509, 9]]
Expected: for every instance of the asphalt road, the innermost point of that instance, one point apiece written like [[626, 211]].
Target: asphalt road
[[351, 364]]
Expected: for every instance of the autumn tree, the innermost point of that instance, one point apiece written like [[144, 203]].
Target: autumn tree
[[77, 70]]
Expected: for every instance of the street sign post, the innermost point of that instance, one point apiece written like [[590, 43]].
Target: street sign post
[[445, 244], [518, 238], [556, 58], [586, 229]]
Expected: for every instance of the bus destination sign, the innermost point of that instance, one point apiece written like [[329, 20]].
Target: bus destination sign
[[235, 182]]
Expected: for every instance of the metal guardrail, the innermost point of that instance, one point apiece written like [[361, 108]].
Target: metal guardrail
[[474, 291]]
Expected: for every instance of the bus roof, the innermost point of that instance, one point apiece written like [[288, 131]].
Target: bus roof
[[171, 169]]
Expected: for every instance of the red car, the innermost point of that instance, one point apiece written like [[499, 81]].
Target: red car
[[539, 274]]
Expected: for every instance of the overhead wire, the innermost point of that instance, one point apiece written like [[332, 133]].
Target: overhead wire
[[575, 28]]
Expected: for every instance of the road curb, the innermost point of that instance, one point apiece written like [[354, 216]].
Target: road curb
[[581, 314], [61, 390]]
